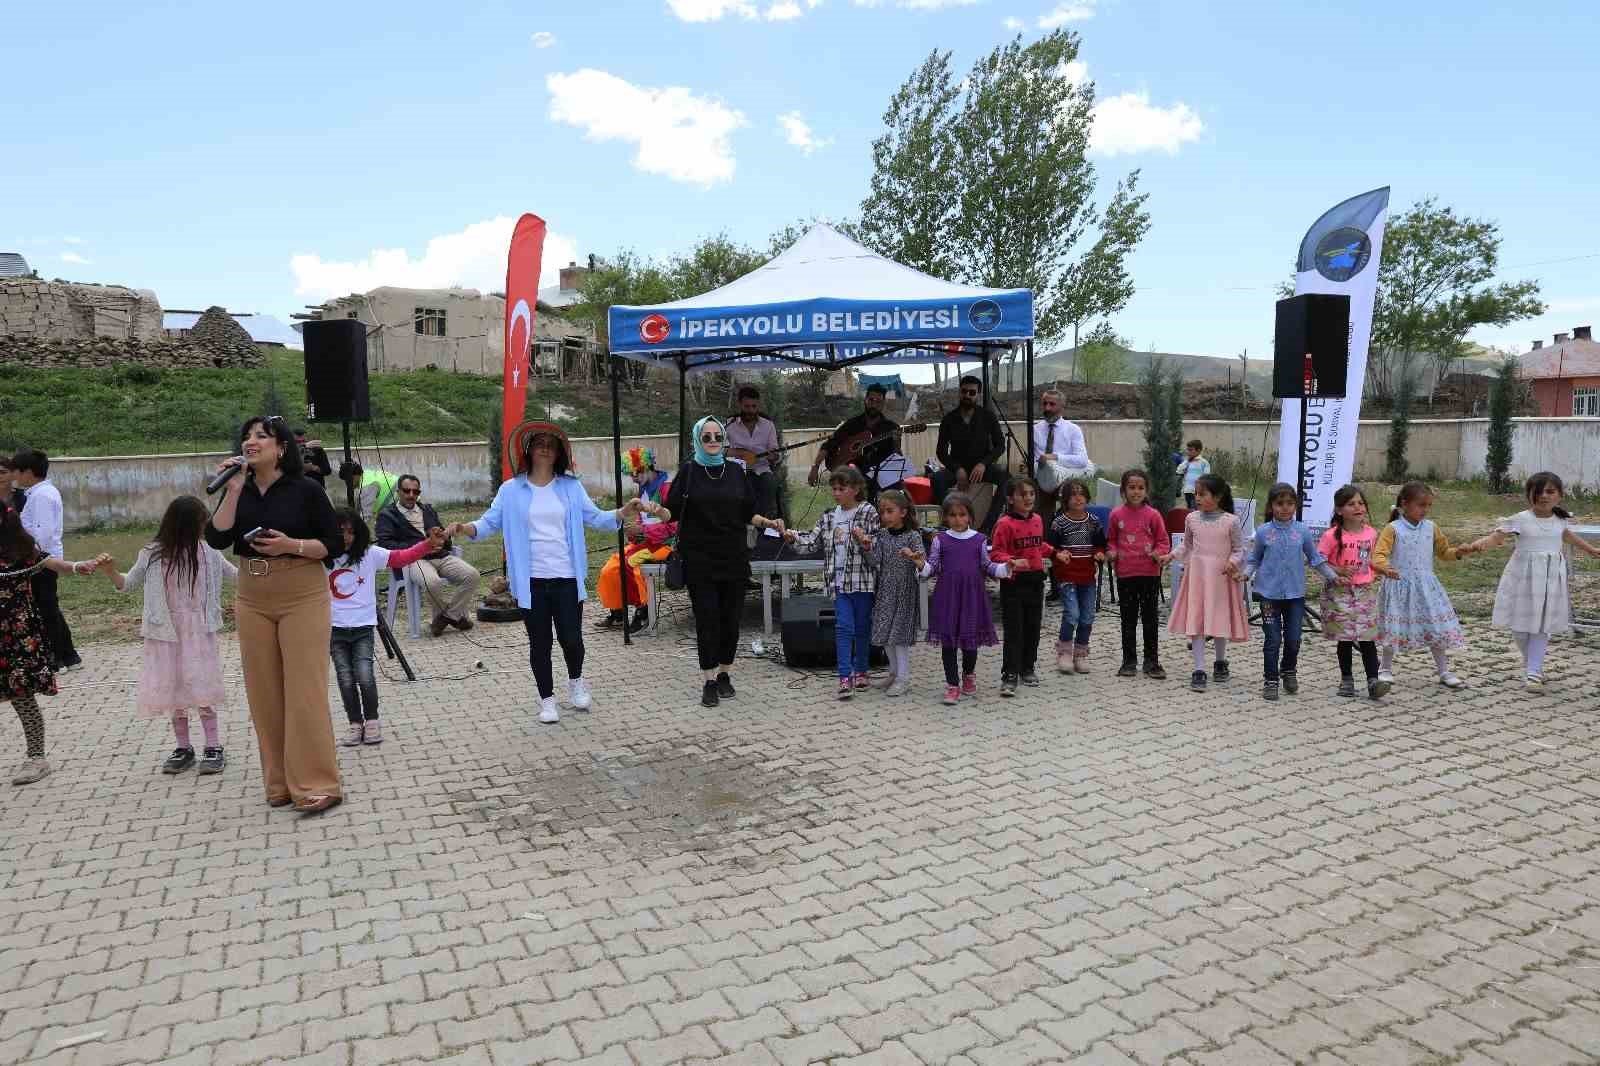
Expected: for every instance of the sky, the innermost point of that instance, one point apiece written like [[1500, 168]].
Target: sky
[[265, 157]]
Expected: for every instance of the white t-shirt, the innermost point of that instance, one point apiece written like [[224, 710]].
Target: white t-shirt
[[354, 589], [547, 534]]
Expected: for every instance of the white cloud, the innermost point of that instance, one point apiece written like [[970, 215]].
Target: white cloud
[[73, 240], [679, 135], [74, 258], [710, 10], [1074, 73], [1011, 22], [798, 133], [1130, 123], [544, 39], [474, 258], [1066, 12], [783, 11]]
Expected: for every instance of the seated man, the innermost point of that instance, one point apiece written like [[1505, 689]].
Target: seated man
[[970, 449], [1059, 453], [450, 582]]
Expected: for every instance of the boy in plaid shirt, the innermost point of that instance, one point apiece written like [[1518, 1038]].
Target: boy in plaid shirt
[[845, 534]]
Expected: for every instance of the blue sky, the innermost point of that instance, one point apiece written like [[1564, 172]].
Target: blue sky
[[265, 157]]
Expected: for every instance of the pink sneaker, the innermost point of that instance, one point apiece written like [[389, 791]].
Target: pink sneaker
[[353, 734], [860, 681], [952, 695], [374, 733], [969, 685], [845, 689]]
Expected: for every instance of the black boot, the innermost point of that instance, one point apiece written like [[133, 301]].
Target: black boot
[[611, 621]]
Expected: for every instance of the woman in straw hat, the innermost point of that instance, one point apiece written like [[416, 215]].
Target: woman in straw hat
[[542, 512]]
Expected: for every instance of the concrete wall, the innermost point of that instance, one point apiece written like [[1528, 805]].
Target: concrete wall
[[127, 489]]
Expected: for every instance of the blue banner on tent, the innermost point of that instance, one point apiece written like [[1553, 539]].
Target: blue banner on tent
[[996, 318]]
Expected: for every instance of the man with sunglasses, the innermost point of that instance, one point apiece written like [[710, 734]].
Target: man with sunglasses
[[449, 581], [971, 446]]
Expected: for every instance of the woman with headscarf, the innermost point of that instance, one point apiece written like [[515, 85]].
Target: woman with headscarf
[[542, 513], [714, 501]]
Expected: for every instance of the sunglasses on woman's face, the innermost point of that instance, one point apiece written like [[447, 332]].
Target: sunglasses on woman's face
[[711, 438]]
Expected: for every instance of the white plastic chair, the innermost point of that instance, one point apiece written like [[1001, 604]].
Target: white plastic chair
[[414, 593]]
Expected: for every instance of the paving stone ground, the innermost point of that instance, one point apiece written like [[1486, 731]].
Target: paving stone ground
[[1098, 871]]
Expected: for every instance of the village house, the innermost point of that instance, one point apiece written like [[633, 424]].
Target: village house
[[1565, 376]]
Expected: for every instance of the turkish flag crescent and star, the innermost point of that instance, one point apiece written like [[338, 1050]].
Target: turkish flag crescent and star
[[522, 300]]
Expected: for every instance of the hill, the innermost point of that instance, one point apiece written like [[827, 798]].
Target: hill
[[1210, 368]]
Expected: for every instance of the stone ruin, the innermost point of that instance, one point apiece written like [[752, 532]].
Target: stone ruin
[[64, 324]]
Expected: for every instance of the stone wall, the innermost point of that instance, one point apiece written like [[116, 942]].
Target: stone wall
[[105, 352], [34, 309]]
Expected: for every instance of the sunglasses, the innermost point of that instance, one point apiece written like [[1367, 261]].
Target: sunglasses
[[710, 438], [410, 492]]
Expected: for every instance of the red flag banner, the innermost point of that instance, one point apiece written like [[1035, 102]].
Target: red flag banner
[[522, 303]]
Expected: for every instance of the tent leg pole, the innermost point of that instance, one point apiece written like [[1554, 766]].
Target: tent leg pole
[[1027, 373], [615, 367], [683, 413]]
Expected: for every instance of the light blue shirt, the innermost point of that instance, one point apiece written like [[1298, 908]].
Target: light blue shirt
[[508, 514], [1278, 558]]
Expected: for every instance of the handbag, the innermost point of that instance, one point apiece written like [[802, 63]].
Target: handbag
[[673, 578]]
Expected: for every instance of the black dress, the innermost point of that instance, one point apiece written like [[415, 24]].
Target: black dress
[[26, 657], [713, 512]]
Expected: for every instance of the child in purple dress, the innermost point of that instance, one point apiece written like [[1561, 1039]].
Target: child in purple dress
[[958, 616]]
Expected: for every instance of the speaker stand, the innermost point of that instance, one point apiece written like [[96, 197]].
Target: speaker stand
[[390, 645]]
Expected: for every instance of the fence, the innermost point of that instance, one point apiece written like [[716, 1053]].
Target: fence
[[115, 490]]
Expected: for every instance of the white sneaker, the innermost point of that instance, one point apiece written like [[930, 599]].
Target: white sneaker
[[1533, 682], [548, 714], [31, 771], [1449, 680], [578, 694], [899, 688]]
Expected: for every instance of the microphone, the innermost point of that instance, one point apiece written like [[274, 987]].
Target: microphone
[[235, 465]]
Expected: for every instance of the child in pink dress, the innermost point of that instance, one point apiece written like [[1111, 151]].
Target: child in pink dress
[[182, 580], [1350, 607], [1209, 602]]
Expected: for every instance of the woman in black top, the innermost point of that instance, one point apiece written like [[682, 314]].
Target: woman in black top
[[714, 502], [281, 526]]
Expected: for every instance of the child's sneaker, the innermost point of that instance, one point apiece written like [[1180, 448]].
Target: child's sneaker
[[1533, 682], [1080, 660], [1291, 682], [1449, 680], [30, 771], [212, 761], [1008, 684], [846, 690], [373, 734], [899, 688], [969, 685], [1152, 670], [952, 695], [1269, 690], [1197, 681], [1030, 679], [1347, 686], [354, 733], [179, 761], [1380, 686], [1128, 669], [1219, 670], [860, 681], [1066, 658]]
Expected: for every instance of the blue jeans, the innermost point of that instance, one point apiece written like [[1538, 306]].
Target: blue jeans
[[351, 648], [1078, 603], [1281, 623], [852, 631]]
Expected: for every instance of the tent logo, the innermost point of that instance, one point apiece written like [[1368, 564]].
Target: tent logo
[[1343, 253], [654, 329], [984, 316]]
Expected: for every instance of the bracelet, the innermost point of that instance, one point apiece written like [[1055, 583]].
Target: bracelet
[[299, 547]]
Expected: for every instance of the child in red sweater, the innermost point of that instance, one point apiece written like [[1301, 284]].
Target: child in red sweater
[[1019, 543], [1138, 534]]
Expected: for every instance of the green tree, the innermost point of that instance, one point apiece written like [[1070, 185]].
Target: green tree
[[625, 278], [1434, 287], [1102, 357], [1099, 283], [1502, 402], [710, 264], [1395, 464], [1163, 429]]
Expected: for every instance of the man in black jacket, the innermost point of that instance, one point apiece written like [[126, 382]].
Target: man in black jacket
[[450, 581], [971, 446]]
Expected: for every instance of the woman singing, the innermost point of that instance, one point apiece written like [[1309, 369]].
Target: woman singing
[[281, 526], [542, 513]]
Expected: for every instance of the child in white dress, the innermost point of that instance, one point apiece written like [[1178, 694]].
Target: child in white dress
[[1532, 599]]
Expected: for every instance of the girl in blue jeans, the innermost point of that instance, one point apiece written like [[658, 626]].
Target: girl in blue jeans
[[1080, 543], [845, 537], [353, 586]]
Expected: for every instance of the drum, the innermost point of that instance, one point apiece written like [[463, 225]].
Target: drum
[[894, 469]]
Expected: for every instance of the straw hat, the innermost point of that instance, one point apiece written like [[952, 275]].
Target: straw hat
[[526, 431]]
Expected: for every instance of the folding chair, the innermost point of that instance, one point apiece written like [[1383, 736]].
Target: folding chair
[[402, 579]]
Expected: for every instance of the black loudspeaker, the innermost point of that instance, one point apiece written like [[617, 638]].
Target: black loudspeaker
[[808, 633], [336, 371], [1318, 323]]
